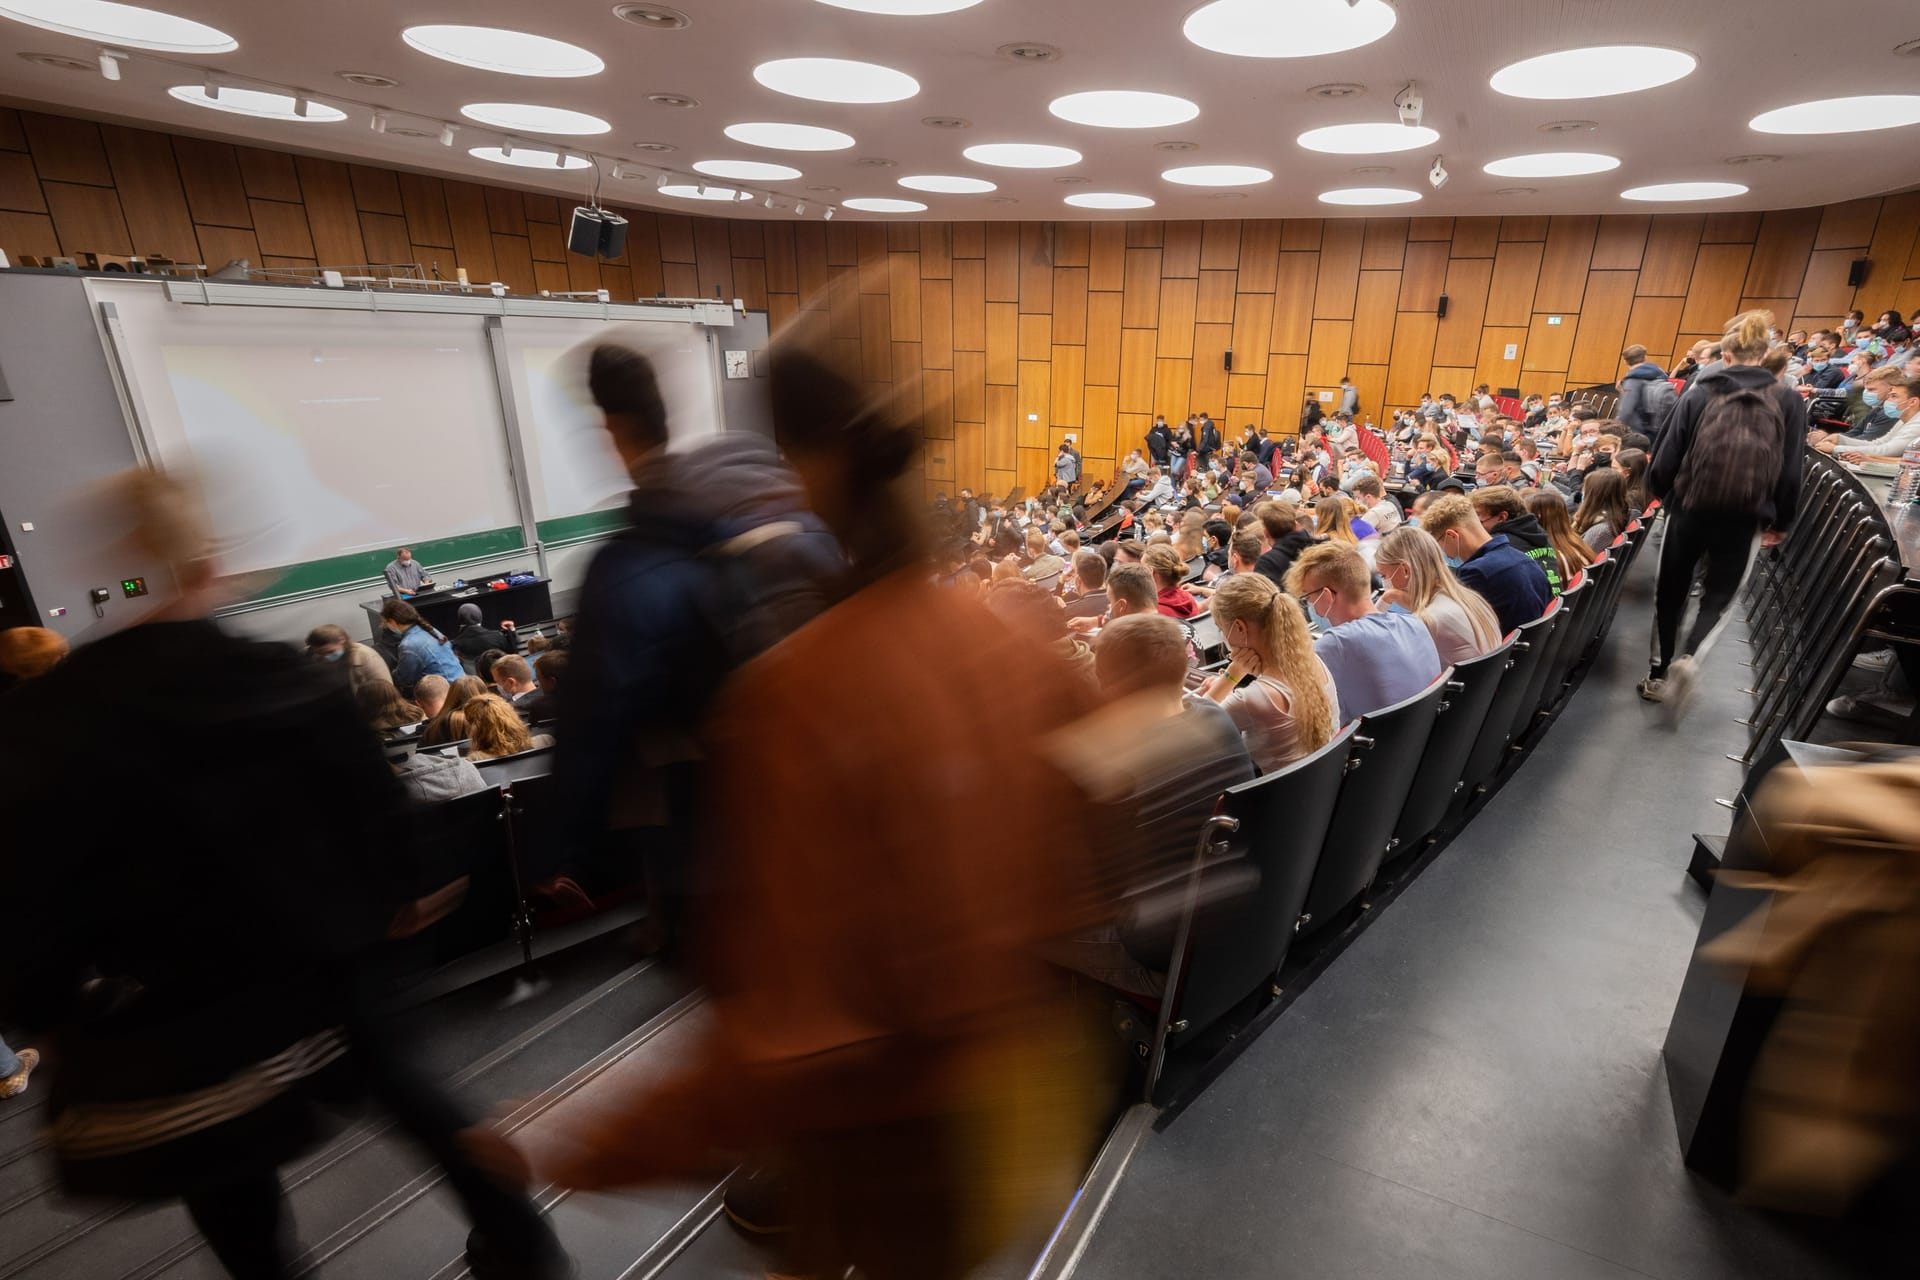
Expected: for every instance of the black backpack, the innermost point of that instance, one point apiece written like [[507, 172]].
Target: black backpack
[[1733, 461]]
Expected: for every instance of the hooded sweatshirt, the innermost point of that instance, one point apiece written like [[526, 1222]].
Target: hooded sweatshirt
[[1527, 537], [1646, 397], [475, 637], [1776, 511], [1277, 559]]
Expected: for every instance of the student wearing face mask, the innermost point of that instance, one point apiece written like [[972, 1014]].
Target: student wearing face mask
[[331, 644], [1376, 656], [1901, 411], [1821, 372], [1461, 622], [1867, 424], [1508, 579], [1277, 691]]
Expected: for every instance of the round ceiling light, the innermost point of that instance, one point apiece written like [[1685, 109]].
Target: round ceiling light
[[122, 24], [789, 137], [1841, 115], [514, 53], [1124, 109], [523, 117], [1108, 200], [746, 170], [1302, 29], [884, 204], [1369, 138], [529, 158], [947, 185], [1552, 164], [1218, 175], [1022, 155], [257, 103], [1685, 191], [903, 8], [836, 80], [1597, 72], [1369, 195]]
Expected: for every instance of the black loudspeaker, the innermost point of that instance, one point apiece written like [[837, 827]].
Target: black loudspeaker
[[1857, 272], [1228, 362], [1441, 311], [613, 235], [583, 234]]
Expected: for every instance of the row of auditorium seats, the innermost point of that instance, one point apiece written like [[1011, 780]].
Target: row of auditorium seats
[[1316, 835]]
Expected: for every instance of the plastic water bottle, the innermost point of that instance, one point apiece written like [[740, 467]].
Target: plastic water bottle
[[1906, 483]]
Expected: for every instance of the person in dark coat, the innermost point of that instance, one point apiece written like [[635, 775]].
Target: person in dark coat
[[207, 977], [1159, 441], [475, 637]]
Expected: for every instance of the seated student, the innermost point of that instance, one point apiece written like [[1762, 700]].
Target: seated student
[[1381, 512], [1026, 609], [430, 694], [495, 729], [1243, 556], [433, 776], [1549, 507], [28, 652], [1632, 466], [1823, 372], [423, 650], [1289, 709], [514, 678], [364, 664], [1377, 656], [1603, 514], [1462, 624], [474, 638], [1502, 510], [1090, 579], [1169, 570], [1279, 522], [549, 673], [383, 709], [1130, 590], [1160, 760], [1900, 410], [1506, 577], [1217, 534], [449, 724], [483, 666]]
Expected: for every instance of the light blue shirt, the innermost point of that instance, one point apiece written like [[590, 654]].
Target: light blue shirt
[[1378, 660]]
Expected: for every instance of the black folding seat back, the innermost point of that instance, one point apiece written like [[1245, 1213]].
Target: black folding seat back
[[1572, 602], [1489, 749], [467, 837], [1387, 752], [1237, 945], [1470, 691]]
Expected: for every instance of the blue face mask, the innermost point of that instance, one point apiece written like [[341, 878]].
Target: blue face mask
[[1318, 616], [1891, 409], [336, 655], [1452, 562], [1819, 364], [1870, 398]]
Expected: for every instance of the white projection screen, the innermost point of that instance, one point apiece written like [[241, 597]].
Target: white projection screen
[[355, 432], [571, 468]]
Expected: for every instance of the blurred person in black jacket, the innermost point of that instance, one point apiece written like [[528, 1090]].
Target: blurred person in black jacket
[[474, 637], [208, 982]]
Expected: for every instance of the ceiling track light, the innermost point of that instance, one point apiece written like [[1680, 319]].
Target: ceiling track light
[[662, 182], [619, 171], [211, 87], [559, 159], [828, 215], [771, 203], [110, 64], [446, 134], [379, 122], [506, 149], [1410, 104], [301, 106], [800, 209]]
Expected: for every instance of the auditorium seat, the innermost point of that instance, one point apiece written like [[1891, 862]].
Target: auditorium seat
[[1489, 749], [466, 836], [1387, 751], [1539, 695], [1470, 691]]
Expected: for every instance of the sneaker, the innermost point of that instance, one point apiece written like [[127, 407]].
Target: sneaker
[[1653, 689], [1681, 677], [1878, 660], [16, 1084], [1845, 707]]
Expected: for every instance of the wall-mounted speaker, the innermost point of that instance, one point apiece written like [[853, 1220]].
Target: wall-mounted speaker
[[1441, 310], [1857, 272], [1227, 363], [583, 233], [613, 235]]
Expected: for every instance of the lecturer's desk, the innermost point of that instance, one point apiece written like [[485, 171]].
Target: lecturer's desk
[[528, 602]]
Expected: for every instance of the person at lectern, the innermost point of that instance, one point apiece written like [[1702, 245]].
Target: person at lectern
[[405, 575]]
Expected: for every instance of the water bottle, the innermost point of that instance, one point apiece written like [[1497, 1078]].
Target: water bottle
[[1906, 484]]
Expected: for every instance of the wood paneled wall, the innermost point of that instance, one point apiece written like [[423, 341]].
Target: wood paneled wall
[[1007, 336]]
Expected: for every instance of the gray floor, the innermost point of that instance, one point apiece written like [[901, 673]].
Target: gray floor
[[1474, 1088]]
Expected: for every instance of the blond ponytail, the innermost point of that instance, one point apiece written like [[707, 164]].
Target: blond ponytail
[[1748, 336]]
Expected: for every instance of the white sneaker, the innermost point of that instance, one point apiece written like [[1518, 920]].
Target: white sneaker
[[1681, 679], [1878, 660], [1653, 689]]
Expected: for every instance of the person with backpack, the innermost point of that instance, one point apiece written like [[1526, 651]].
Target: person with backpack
[[1646, 394], [1727, 467]]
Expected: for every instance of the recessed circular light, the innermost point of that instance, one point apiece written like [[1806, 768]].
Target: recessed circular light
[[122, 24], [694, 191], [903, 8], [946, 122], [1858, 114], [654, 17], [1123, 109], [524, 117], [1107, 200], [1552, 164], [1302, 29], [1368, 138], [884, 204], [257, 103], [1022, 155], [789, 137], [513, 53], [836, 80], [1597, 72], [1218, 175], [368, 79], [746, 170], [527, 157], [654, 146], [1685, 191], [1369, 195], [1030, 51], [1336, 92], [59, 62], [947, 185], [679, 100]]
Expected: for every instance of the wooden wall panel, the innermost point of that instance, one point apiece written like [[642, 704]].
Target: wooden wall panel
[[1089, 326]]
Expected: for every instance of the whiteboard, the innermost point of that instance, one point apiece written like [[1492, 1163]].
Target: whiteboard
[[353, 432], [572, 468]]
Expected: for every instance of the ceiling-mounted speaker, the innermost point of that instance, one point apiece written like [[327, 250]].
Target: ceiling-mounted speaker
[[1857, 273], [583, 233], [613, 235], [1228, 362], [1441, 310]]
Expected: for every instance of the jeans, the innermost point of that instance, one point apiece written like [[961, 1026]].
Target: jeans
[[9, 1061], [1727, 544]]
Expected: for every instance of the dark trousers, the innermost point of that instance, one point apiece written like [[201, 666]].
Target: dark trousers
[[1726, 543]]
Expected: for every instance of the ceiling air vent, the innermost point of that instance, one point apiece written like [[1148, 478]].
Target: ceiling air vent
[[1570, 126], [59, 62], [946, 122], [1336, 92], [672, 100], [1030, 52], [654, 17], [368, 80]]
